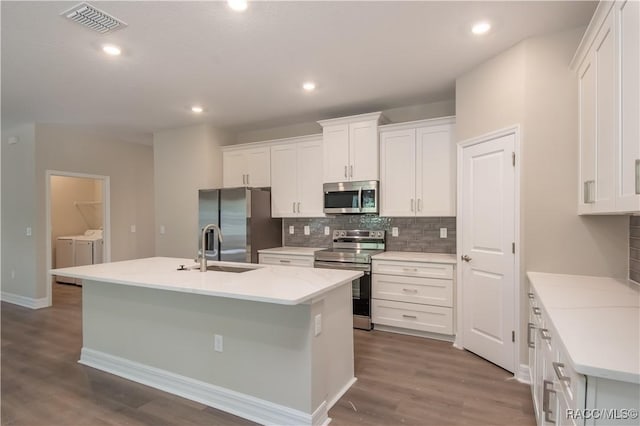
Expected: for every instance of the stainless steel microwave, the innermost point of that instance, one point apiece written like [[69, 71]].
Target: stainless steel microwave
[[351, 197]]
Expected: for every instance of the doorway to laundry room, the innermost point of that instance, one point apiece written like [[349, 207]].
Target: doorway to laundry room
[[77, 225]]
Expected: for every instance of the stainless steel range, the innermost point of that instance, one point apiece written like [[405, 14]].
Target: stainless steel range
[[352, 250]]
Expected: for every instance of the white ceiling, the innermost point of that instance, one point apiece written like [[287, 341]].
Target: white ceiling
[[246, 69]]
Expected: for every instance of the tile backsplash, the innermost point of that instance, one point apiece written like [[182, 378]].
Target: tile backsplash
[[421, 234], [634, 248]]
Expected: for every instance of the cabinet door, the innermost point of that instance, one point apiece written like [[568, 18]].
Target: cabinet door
[[628, 25], [335, 159], [234, 169], [398, 173], [310, 195], [258, 167], [435, 172], [284, 190], [587, 118], [363, 151], [606, 111]]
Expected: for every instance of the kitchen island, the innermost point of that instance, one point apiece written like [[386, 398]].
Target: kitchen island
[[271, 344]]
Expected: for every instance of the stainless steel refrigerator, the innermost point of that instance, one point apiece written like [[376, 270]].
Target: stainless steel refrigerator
[[244, 217]]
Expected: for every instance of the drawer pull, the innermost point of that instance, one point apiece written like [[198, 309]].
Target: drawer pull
[[531, 344], [557, 366], [544, 333], [410, 290], [284, 261], [410, 269], [409, 316], [536, 310], [532, 296], [546, 394]]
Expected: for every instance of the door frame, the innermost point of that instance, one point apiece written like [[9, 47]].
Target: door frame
[[459, 341], [106, 224]]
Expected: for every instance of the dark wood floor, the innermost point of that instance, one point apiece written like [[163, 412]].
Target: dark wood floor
[[401, 380]]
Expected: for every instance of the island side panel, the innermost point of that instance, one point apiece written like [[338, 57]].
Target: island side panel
[[266, 347]]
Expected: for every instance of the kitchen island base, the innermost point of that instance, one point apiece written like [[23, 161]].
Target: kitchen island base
[[274, 364]]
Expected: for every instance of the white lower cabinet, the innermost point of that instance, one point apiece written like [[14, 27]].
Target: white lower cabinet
[[412, 297]]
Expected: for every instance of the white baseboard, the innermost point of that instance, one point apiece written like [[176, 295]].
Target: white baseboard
[[239, 404], [522, 375], [341, 392], [27, 302], [417, 333]]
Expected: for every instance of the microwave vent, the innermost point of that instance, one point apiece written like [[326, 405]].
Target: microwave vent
[[93, 18]]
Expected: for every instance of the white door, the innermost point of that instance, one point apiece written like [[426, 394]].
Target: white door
[[234, 168], [310, 194], [335, 161], [284, 181], [488, 274], [398, 173], [258, 168], [363, 151]]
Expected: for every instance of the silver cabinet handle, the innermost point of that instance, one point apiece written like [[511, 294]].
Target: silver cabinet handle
[[409, 316], [466, 258], [557, 366], [248, 179], [243, 179], [546, 395], [589, 196], [536, 310], [410, 290], [637, 176], [531, 344], [351, 170], [284, 261], [410, 269], [544, 333], [412, 204], [294, 206], [298, 206], [419, 204], [360, 198], [345, 171], [531, 296]]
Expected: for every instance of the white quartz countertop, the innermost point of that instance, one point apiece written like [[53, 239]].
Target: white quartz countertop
[[410, 256], [286, 285], [597, 320], [292, 251]]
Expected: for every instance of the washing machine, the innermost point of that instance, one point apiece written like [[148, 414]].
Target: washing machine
[[65, 257], [78, 250]]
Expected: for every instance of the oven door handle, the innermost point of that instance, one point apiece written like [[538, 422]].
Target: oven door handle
[[366, 268]]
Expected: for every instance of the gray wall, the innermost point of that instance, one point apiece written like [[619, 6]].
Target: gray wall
[[634, 248], [420, 234]]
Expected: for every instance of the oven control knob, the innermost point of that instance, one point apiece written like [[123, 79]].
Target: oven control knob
[[342, 234]]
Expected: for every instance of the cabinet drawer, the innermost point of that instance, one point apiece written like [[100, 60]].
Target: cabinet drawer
[[413, 269], [435, 319], [429, 291], [270, 259]]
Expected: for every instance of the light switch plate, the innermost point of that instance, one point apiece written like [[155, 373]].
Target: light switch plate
[[28, 231], [327, 231], [291, 230], [162, 230], [443, 232], [394, 231], [133, 229], [307, 230]]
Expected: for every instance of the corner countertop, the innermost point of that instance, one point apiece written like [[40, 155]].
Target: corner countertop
[[285, 285], [598, 321], [410, 256], [292, 251]]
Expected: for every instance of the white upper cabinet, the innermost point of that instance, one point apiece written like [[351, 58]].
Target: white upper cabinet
[[296, 178], [417, 169], [350, 148], [246, 167], [608, 66]]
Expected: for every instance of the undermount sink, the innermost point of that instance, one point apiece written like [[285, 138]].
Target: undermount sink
[[225, 268]]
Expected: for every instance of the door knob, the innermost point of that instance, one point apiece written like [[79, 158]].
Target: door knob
[[465, 258]]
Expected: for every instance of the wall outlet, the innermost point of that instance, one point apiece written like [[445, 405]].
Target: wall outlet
[[162, 230], [443, 232], [217, 343], [291, 230], [307, 230], [394, 231], [29, 232], [318, 324], [133, 229], [327, 231]]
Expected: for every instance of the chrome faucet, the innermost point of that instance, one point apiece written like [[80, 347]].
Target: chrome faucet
[[203, 257]]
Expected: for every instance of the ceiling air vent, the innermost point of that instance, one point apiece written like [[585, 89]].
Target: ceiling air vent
[[93, 18]]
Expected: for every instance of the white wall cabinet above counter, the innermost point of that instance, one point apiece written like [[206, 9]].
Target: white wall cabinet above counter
[[418, 168], [350, 148], [244, 166], [608, 66]]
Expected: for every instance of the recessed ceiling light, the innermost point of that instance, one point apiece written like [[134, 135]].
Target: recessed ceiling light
[[309, 86], [238, 5], [481, 28], [111, 49], [197, 109]]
